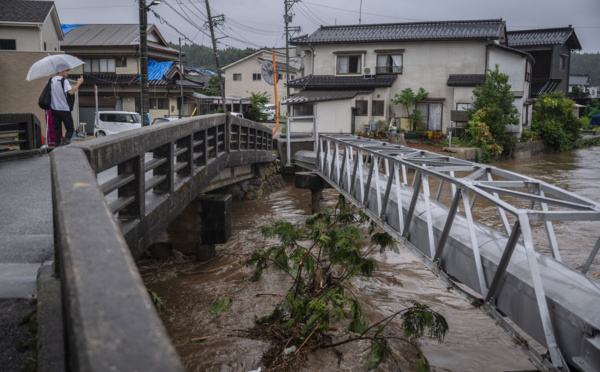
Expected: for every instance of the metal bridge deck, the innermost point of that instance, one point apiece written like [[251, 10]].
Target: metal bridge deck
[[553, 303]]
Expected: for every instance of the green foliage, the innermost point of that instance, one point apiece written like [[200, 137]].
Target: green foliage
[[585, 121], [495, 97], [407, 98], [554, 120], [592, 108], [527, 135], [204, 57], [478, 130], [322, 256], [213, 89], [258, 102], [219, 307], [160, 306]]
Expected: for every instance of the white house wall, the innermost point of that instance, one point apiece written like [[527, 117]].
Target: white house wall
[[49, 35], [334, 116], [247, 86], [27, 38], [427, 65]]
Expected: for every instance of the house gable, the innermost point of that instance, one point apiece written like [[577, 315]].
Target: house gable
[[31, 25]]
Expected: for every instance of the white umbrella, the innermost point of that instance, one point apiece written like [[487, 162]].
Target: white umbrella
[[51, 65]]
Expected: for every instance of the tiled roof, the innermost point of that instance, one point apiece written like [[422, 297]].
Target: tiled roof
[[541, 86], [447, 30], [333, 82], [579, 80], [24, 11], [548, 36], [471, 80], [309, 96], [89, 79]]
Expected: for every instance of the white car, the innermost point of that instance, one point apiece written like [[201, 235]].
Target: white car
[[269, 109], [111, 122], [236, 114]]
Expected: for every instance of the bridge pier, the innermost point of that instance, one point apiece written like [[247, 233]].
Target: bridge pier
[[314, 183], [204, 223]]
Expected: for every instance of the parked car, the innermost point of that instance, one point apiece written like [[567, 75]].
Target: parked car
[[111, 122], [269, 109], [236, 114], [163, 120]]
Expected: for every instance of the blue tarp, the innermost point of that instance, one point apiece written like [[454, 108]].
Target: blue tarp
[[67, 28], [156, 70]]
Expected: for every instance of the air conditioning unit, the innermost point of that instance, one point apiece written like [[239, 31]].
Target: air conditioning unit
[[370, 70]]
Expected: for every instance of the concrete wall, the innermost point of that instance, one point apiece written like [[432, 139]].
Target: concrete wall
[[18, 95], [333, 117]]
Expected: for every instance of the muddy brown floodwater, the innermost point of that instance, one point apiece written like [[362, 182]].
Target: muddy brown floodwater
[[474, 343]]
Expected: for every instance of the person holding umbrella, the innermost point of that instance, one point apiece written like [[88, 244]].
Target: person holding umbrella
[[61, 113]]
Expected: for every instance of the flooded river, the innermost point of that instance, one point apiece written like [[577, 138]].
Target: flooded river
[[189, 288]]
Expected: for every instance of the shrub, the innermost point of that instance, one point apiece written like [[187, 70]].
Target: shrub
[[554, 120], [481, 136]]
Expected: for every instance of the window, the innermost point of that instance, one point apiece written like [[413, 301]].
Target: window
[[256, 77], [377, 108], [563, 62], [348, 64], [237, 77], [159, 103], [431, 113], [362, 108], [121, 62], [306, 109], [8, 44], [102, 65], [279, 77], [464, 106], [389, 64]]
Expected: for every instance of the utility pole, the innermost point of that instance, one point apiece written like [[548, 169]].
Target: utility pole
[[288, 18], [144, 101], [181, 80], [214, 44]]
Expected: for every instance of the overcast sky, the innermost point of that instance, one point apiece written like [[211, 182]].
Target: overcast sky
[[258, 23]]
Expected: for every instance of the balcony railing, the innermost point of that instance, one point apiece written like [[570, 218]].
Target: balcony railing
[[382, 70]]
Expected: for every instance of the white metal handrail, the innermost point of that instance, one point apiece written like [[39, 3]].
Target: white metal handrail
[[376, 175]]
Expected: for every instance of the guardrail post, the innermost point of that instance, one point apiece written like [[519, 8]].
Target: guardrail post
[[167, 169], [133, 189]]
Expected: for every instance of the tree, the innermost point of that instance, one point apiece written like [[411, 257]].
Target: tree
[[495, 95], [554, 120], [321, 257], [592, 108], [258, 101], [213, 89], [409, 99]]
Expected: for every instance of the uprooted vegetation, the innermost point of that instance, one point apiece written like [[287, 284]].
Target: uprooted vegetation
[[321, 257]]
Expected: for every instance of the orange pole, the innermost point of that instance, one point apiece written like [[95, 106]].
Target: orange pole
[[276, 102]]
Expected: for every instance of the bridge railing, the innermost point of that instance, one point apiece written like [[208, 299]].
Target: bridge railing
[[111, 198], [414, 193], [21, 129]]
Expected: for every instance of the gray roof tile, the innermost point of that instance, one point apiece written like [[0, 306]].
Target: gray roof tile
[[579, 80], [446, 30], [342, 82], [310, 96], [548, 36], [24, 11], [470, 80]]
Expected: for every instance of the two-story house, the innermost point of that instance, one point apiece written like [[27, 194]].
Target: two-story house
[[244, 76], [29, 31], [358, 69], [112, 66], [551, 48]]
